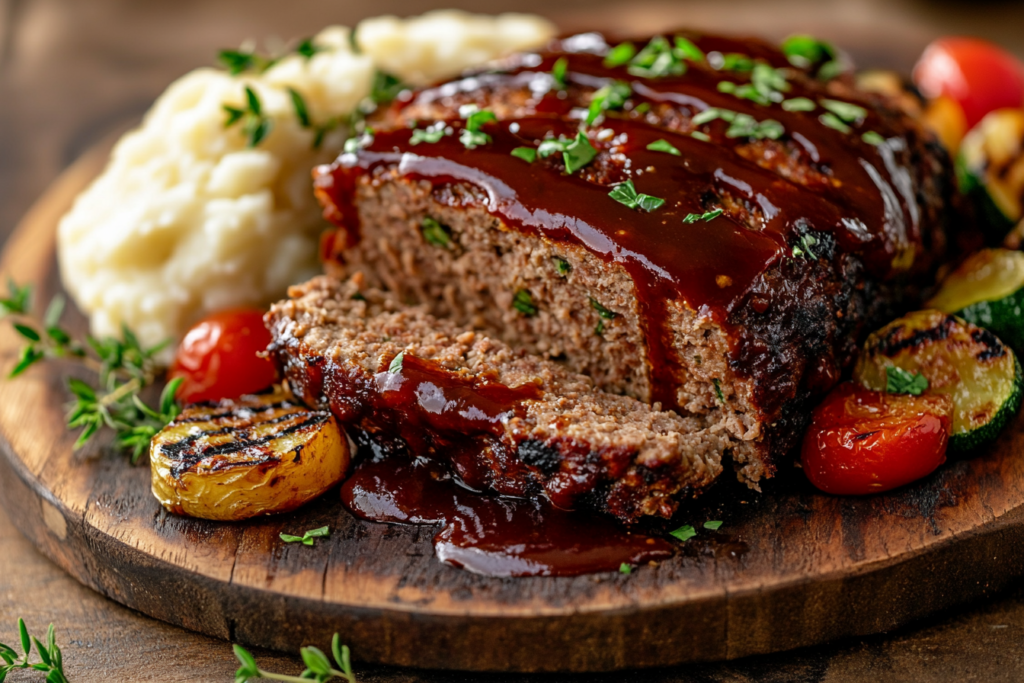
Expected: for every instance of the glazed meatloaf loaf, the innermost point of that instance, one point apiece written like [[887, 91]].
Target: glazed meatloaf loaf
[[401, 380], [705, 223]]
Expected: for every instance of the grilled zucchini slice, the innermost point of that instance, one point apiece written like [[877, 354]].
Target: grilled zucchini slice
[[256, 455], [967, 363], [988, 291], [990, 170]]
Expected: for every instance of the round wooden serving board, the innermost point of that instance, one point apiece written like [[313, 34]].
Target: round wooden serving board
[[789, 567]]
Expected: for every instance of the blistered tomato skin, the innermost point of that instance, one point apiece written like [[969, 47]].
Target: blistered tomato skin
[[862, 441], [218, 357], [979, 76]]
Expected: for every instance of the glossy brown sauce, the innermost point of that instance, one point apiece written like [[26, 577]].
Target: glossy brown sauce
[[864, 198], [492, 535]]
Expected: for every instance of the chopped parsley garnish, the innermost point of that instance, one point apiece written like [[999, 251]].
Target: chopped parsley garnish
[[434, 233], [688, 50], [802, 248], [703, 137], [718, 390], [768, 83], [471, 136], [848, 112], [306, 121], [732, 61], [684, 533], [625, 193], [706, 216], [625, 568], [527, 154], [558, 72], [873, 138], [832, 121], [255, 125], [741, 125], [578, 153], [396, 363], [385, 87], [523, 302], [309, 537], [562, 266], [354, 144], [900, 381], [611, 96], [664, 146], [658, 59], [713, 525], [620, 54], [807, 52], [798, 104], [602, 311], [431, 134]]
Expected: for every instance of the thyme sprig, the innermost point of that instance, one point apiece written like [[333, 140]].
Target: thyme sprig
[[51, 661], [123, 368], [306, 121], [255, 124], [318, 665]]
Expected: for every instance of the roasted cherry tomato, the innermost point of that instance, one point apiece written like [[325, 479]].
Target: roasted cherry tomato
[[977, 75], [217, 358], [862, 441]]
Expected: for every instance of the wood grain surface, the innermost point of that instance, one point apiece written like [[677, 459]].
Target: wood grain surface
[[70, 72], [791, 567]]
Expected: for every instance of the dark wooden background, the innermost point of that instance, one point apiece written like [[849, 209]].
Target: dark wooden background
[[73, 72]]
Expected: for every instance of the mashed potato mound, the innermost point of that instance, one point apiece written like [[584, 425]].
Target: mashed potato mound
[[187, 219]]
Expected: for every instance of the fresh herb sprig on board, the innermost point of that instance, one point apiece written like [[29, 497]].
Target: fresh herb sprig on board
[[51, 661], [123, 368], [318, 665]]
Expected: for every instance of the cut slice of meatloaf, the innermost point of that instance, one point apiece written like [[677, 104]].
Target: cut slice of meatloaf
[[715, 234], [402, 380]]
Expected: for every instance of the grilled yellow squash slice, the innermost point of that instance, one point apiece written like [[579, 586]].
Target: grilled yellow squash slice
[[256, 455]]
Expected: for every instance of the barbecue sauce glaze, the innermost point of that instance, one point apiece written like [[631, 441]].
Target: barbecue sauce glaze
[[861, 194], [426, 408]]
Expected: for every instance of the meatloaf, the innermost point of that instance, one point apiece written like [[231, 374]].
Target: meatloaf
[[501, 419], [691, 220]]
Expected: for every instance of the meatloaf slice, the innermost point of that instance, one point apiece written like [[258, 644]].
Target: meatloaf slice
[[503, 420], [798, 213]]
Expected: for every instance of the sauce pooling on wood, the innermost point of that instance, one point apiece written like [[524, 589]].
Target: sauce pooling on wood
[[493, 535], [783, 168]]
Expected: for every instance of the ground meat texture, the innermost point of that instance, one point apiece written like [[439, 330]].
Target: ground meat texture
[[737, 303], [533, 427]]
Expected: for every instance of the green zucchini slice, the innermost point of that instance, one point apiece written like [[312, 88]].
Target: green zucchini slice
[[988, 291], [965, 362], [990, 169]]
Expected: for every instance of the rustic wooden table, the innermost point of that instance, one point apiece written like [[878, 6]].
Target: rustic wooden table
[[71, 73]]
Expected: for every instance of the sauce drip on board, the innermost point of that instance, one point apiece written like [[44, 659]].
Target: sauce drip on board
[[492, 535], [856, 190]]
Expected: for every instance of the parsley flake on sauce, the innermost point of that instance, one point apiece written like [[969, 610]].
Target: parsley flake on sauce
[[664, 146], [558, 72], [706, 216], [684, 533], [611, 96], [713, 525], [396, 364], [900, 381], [578, 154], [527, 154], [471, 136], [625, 193]]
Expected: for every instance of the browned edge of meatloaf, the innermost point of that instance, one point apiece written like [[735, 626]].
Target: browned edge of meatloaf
[[578, 445]]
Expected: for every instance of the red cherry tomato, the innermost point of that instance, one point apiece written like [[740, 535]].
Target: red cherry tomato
[[979, 76], [217, 358], [862, 441]]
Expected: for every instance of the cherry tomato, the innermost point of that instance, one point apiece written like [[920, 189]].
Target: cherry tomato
[[863, 441], [977, 75], [217, 358]]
